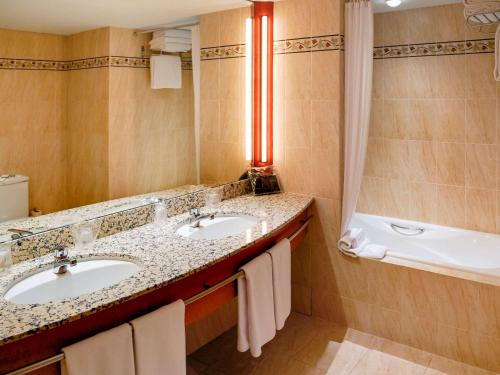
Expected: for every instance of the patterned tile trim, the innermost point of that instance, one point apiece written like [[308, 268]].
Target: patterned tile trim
[[313, 44], [461, 47], [297, 45], [223, 52], [90, 63]]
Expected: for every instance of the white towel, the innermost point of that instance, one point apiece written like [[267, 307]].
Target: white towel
[[373, 251], [168, 39], [174, 33], [351, 241], [496, 72], [166, 72], [170, 47], [256, 322], [110, 352], [282, 281], [160, 341]]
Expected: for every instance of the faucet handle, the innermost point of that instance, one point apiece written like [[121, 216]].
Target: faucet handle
[[195, 212], [60, 252]]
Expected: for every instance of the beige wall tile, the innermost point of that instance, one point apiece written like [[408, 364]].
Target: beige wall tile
[[479, 79], [325, 82], [451, 206], [326, 17], [450, 120], [422, 161], [375, 158], [396, 28], [396, 119], [396, 197], [422, 115], [481, 206], [298, 76], [450, 163], [397, 158], [480, 164], [210, 25], [298, 18], [481, 121], [423, 202], [371, 196], [396, 78]]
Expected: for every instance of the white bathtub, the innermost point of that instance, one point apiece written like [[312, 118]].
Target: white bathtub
[[433, 244]]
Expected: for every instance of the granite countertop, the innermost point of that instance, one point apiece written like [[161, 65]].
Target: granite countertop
[[164, 256]]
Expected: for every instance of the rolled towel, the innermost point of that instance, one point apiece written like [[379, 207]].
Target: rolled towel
[[174, 33], [351, 241], [372, 251]]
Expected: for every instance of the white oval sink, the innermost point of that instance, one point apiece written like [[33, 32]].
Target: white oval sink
[[86, 277], [218, 227]]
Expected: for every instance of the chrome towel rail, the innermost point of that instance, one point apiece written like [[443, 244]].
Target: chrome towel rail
[[197, 297]]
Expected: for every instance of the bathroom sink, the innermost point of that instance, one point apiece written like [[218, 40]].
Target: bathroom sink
[[219, 227], [85, 277]]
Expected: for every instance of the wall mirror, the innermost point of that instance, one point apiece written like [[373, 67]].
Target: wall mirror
[[86, 126]]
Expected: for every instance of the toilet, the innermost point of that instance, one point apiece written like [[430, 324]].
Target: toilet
[[13, 197]]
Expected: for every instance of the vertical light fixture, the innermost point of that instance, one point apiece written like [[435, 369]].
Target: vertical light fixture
[[262, 14], [263, 85], [248, 88]]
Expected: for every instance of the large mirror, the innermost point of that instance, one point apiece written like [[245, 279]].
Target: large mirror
[[102, 111]]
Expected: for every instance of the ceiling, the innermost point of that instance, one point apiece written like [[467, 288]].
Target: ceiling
[[72, 16], [379, 6]]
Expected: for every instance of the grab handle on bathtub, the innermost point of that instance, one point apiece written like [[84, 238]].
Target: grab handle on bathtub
[[407, 231]]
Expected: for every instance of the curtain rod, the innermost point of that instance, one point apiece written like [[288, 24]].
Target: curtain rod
[[59, 357]]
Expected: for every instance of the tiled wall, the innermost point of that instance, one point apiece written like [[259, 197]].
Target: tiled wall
[[79, 118], [222, 95], [433, 148], [32, 117], [308, 107]]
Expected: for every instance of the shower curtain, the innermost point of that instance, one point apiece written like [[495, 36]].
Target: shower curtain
[[358, 90]]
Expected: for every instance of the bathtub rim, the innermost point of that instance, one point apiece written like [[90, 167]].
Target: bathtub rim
[[466, 274]]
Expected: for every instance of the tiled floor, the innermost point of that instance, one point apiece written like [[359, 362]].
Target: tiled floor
[[313, 346]]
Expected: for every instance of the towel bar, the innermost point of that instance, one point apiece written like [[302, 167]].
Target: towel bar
[[229, 280]]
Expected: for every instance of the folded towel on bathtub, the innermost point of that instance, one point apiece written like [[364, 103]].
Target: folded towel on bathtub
[[373, 251], [351, 241]]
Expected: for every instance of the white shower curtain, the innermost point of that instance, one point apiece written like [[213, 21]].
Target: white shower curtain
[[358, 90]]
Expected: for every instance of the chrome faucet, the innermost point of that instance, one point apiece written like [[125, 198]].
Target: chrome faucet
[[195, 217], [62, 260]]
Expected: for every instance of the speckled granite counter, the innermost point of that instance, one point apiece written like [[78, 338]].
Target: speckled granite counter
[[165, 257]]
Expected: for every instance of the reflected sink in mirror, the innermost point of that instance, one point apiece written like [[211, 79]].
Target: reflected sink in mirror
[[85, 277], [218, 227]]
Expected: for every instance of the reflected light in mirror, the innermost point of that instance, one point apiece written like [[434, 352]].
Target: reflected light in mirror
[[263, 133], [248, 89]]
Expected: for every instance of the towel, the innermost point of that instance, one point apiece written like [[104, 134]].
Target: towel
[[160, 341], [256, 322], [351, 241], [496, 72], [169, 39], [174, 33], [109, 353], [170, 47], [166, 72], [282, 281], [373, 251]]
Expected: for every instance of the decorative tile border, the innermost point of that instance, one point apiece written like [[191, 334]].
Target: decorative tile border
[[313, 44], [223, 52], [461, 47], [333, 42], [89, 63]]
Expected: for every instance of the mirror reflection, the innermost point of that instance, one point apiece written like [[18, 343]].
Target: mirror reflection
[[96, 119]]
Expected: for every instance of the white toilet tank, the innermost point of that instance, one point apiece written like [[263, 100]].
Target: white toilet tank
[[13, 197]]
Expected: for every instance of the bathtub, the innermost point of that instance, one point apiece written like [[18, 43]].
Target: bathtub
[[437, 245]]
